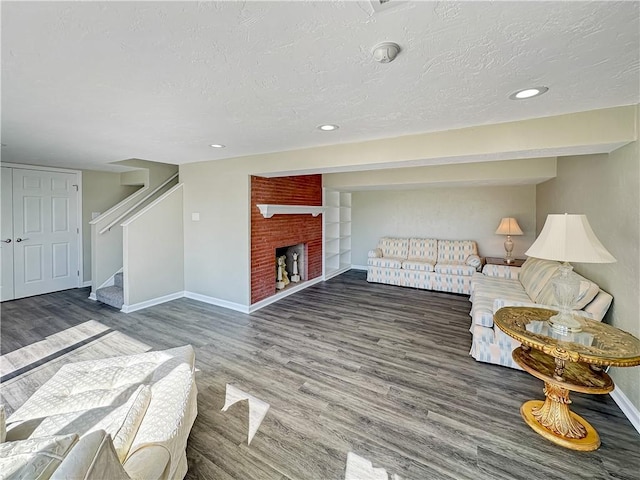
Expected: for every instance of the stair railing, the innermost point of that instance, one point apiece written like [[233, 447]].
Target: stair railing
[[134, 207]]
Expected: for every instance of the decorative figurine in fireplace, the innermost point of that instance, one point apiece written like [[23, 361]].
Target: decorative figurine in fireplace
[[282, 278], [295, 278]]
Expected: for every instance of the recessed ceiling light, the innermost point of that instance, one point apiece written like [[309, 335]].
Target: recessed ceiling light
[[217, 145], [528, 93], [328, 127]]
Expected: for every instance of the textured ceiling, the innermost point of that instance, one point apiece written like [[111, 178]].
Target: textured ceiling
[[88, 83]]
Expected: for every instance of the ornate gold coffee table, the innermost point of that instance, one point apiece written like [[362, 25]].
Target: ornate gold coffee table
[[565, 363]]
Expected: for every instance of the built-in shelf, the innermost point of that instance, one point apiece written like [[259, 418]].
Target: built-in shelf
[[268, 210], [337, 233]]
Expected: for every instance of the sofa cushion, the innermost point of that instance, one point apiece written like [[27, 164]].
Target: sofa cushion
[[588, 291], [425, 249], [535, 274], [34, 458], [418, 265], [455, 269], [121, 421], [455, 251], [394, 247], [385, 262], [99, 383]]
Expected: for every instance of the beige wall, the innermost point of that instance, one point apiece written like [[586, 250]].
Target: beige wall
[[605, 188], [217, 247], [153, 246], [471, 213], [216, 259], [100, 191], [523, 171]]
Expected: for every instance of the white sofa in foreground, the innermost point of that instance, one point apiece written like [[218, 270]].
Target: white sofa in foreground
[[426, 263], [530, 285], [119, 418]]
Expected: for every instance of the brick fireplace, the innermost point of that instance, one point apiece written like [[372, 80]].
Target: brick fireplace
[[269, 234]]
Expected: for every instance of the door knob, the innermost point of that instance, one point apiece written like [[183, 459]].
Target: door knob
[[21, 239], [8, 240]]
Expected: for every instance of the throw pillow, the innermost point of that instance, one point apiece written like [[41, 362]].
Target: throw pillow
[[535, 274], [34, 458]]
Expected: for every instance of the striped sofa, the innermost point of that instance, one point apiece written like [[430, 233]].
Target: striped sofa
[[530, 285], [426, 263]]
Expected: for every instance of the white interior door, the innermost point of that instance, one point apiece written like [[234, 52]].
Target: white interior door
[[45, 229], [6, 235]]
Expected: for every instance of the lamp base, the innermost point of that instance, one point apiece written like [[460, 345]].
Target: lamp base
[[508, 248], [564, 323]]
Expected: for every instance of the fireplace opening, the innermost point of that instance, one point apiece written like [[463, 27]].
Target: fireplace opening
[[290, 265]]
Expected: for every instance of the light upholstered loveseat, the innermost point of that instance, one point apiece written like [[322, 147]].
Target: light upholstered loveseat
[[117, 418], [426, 263], [530, 285]]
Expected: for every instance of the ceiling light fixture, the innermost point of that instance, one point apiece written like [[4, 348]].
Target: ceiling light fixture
[[528, 93], [385, 52], [328, 127], [217, 145]]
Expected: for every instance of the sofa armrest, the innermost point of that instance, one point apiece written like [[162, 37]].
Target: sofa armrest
[[150, 462], [501, 271], [474, 261], [375, 253], [498, 303], [92, 458]]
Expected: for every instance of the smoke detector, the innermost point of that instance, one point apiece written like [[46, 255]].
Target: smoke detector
[[385, 52]]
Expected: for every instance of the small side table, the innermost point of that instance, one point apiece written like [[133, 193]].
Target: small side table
[[517, 262], [572, 362]]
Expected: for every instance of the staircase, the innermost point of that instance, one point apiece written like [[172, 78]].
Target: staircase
[[113, 295]]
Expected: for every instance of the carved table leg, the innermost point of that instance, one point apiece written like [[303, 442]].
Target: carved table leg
[[556, 422], [555, 415]]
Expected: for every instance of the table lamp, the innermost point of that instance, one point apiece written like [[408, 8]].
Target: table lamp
[[508, 226], [568, 238]]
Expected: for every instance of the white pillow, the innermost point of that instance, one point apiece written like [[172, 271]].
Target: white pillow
[[34, 458]]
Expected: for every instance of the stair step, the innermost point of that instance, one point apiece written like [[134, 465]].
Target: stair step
[[113, 296], [118, 280]]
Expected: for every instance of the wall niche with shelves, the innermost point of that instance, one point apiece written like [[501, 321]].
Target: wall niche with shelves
[[337, 232]]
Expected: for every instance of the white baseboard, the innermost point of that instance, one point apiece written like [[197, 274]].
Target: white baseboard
[[278, 296], [152, 302], [92, 296], [628, 408], [217, 301], [359, 267], [86, 284]]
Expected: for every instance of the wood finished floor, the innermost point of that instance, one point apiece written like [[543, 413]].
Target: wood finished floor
[[378, 370]]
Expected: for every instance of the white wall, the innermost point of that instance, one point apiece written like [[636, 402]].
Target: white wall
[[100, 192], [153, 248], [469, 213], [606, 189]]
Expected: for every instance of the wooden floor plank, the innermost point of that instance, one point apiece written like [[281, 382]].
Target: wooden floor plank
[[345, 365]]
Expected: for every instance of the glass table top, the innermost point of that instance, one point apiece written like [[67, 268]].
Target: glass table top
[[597, 343]]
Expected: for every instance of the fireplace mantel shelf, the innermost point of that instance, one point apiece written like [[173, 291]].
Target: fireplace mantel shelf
[[269, 210]]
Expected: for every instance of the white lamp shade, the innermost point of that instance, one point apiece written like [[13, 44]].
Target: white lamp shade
[[569, 238], [509, 226]]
